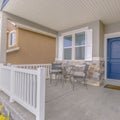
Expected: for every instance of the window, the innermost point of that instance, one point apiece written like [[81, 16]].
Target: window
[[80, 46], [68, 47], [12, 38], [75, 45]]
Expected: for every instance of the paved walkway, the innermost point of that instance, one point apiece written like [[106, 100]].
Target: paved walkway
[[94, 103]]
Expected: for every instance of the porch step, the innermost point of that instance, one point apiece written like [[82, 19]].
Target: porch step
[[15, 110]]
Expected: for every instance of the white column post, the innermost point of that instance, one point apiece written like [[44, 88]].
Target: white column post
[[1, 75], [41, 94], [3, 37], [56, 54], [12, 85]]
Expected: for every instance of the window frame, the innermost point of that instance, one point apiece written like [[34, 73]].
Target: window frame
[[10, 39], [73, 43]]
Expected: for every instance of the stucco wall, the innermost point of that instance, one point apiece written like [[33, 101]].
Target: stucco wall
[[3, 37], [34, 49]]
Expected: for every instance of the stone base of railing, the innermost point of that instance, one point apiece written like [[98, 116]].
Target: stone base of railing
[[14, 110], [95, 83], [95, 73]]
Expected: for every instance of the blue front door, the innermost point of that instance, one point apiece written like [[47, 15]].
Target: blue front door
[[113, 58]]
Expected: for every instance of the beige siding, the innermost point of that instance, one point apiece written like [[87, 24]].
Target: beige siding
[[34, 48]]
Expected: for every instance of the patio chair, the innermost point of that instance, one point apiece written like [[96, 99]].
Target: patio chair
[[78, 75], [56, 70], [66, 73]]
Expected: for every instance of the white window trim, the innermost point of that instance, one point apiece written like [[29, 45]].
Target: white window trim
[[73, 43], [75, 31], [13, 49], [88, 44], [9, 39]]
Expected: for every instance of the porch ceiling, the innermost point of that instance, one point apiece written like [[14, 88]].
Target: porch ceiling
[[63, 14]]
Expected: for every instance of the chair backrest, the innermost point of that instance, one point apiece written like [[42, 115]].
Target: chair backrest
[[86, 69], [67, 69], [76, 70], [57, 66], [80, 70]]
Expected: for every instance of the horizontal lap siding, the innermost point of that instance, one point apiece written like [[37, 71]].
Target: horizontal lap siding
[[34, 49]]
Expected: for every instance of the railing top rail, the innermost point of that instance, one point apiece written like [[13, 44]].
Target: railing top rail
[[6, 67], [28, 71], [29, 64]]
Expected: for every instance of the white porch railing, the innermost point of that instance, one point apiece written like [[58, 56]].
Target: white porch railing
[[35, 66], [27, 87]]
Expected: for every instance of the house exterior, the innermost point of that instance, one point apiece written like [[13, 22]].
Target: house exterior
[[85, 39], [96, 44], [81, 31], [29, 47]]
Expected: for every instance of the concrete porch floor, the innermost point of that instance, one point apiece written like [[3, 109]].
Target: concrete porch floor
[[62, 103], [94, 103]]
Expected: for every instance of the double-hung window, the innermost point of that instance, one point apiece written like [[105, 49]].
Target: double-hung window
[[12, 38], [75, 45]]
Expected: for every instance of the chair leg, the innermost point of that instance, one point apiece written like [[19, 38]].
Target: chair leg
[[85, 84], [50, 78], [71, 80], [73, 83], [57, 79], [63, 80]]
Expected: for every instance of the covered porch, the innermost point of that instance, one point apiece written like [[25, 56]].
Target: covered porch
[[81, 29], [78, 39], [94, 103]]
